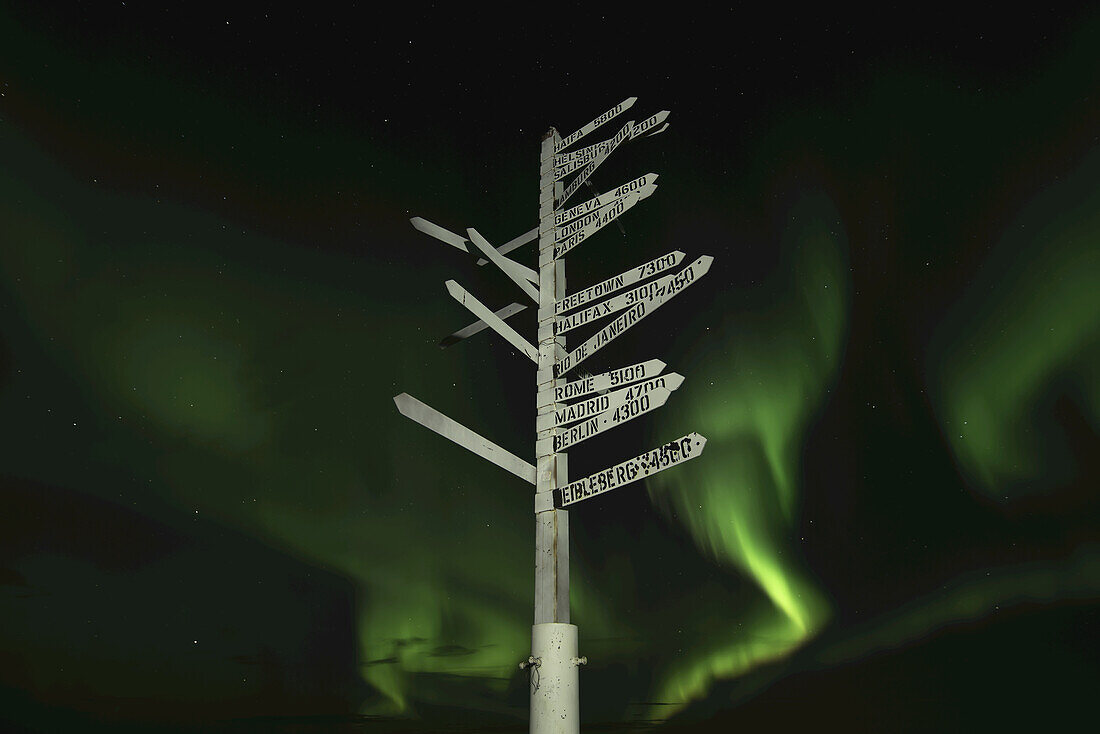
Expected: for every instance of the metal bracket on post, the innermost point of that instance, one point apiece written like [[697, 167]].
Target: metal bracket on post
[[533, 664]]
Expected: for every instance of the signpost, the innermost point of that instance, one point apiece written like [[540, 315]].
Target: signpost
[[429, 417], [606, 402], [646, 291], [599, 402], [612, 209], [521, 275], [588, 170], [563, 143], [661, 458], [642, 308], [629, 410], [582, 155], [457, 240], [601, 382], [646, 183], [577, 231], [466, 332], [497, 324]]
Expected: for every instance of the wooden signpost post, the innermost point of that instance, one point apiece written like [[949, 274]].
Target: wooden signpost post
[[598, 403]]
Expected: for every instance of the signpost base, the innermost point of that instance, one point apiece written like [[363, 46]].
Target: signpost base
[[555, 694]]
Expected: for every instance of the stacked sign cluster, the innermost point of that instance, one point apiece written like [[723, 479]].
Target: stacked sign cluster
[[569, 412], [601, 402]]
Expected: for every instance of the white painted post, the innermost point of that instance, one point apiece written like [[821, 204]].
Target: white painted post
[[555, 701]]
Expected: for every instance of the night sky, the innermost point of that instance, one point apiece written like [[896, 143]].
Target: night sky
[[213, 518]]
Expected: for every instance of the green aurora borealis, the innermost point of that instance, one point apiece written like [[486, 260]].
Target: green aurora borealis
[[740, 506], [210, 294], [1026, 324]]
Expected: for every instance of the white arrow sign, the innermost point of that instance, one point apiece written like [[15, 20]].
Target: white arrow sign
[[601, 382], [613, 112], [566, 414], [583, 176], [479, 325], [477, 308], [656, 266], [521, 275], [564, 170], [573, 413], [529, 236], [580, 157], [583, 155], [672, 453], [647, 181], [429, 417], [440, 233], [624, 413], [457, 240], [646, 126], [613, 305], [563, 232], [634, 314], [581, 229]]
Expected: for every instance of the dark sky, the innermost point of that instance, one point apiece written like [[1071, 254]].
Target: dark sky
[[213, 517]]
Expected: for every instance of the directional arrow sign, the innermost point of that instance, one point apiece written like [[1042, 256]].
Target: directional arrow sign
[[457, 240], [583, 155], [573, 413], [601, 382], [648, 181], [429, 417], [613, 112], [647, 125], [477, 308], [634, 314], [581, 229], [613, 305], [563, 169], [604, 403], [479, 325], [441, 234], [529, 236], [656, 266], [605, 213], [562, 231], [585, 173], [521, 275], [672, 453], [624, 413], [590, 154]]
